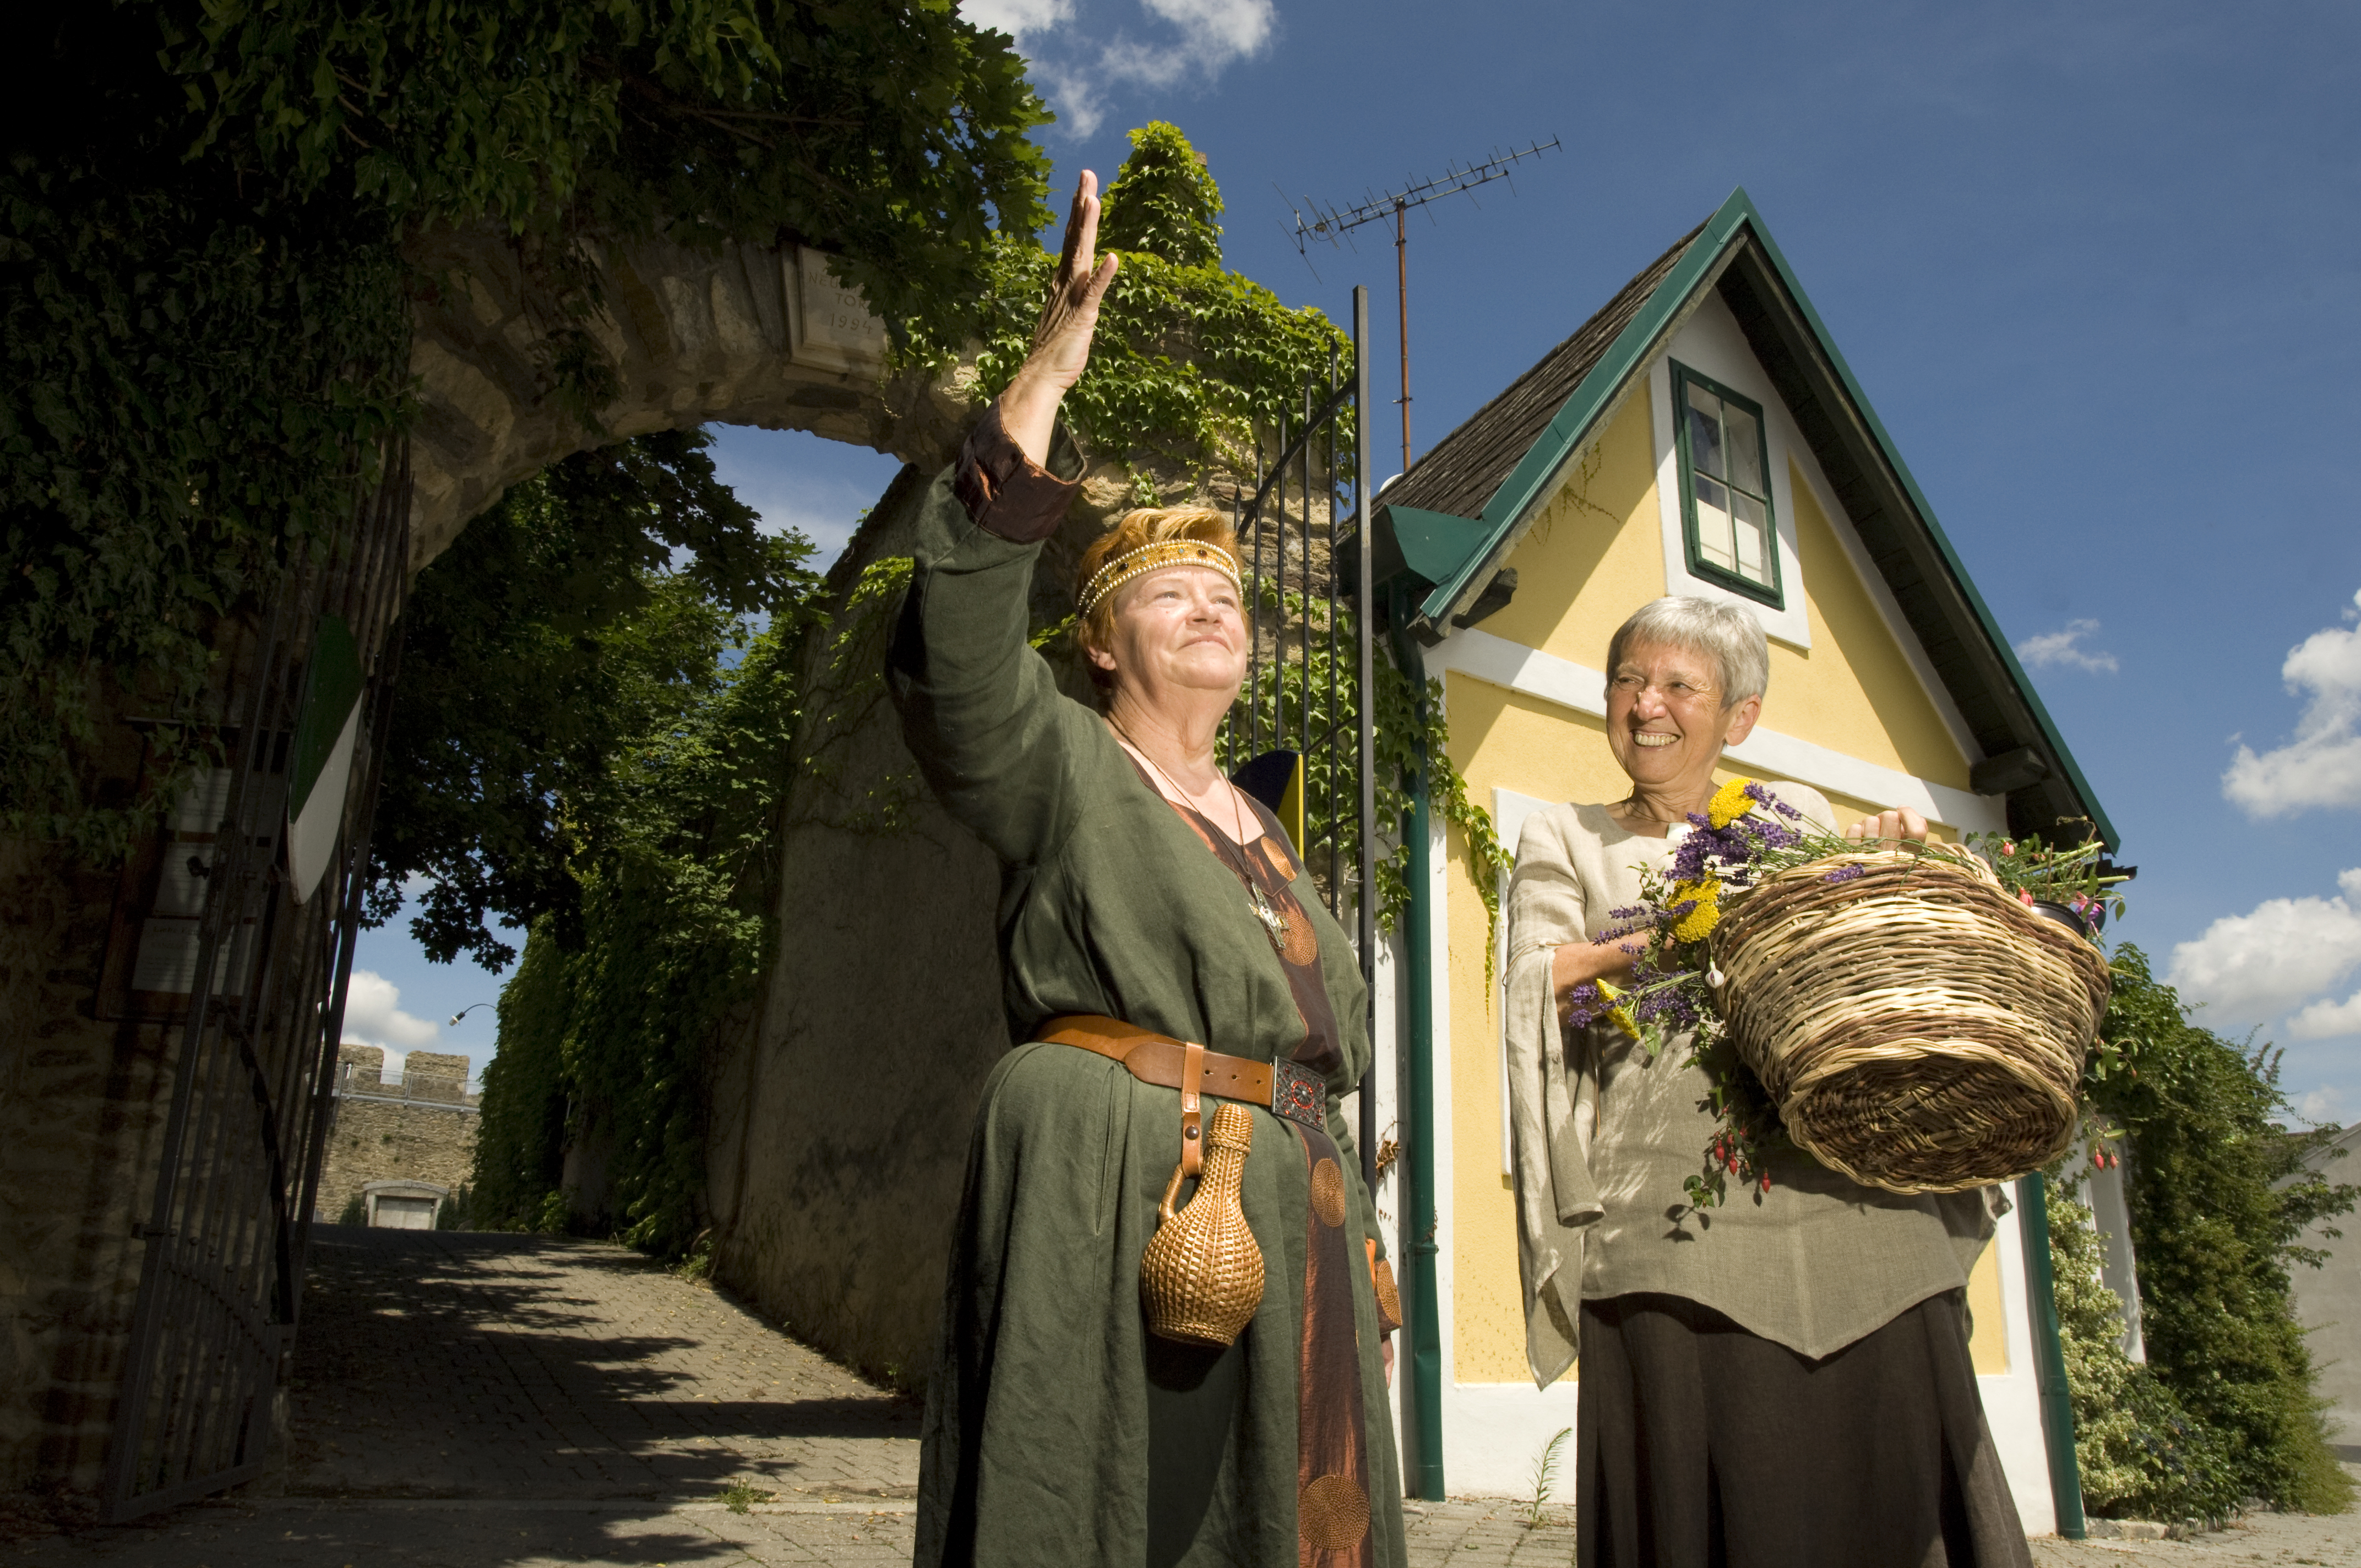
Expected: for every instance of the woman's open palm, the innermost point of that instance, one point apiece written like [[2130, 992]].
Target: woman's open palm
[[1061, 341]]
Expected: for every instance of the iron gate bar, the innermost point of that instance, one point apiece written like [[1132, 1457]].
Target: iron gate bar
[[1249, 515], [1335, 890], [1366, 721], [157, 1278], [221, 1275], [1278, 603], [1287, 453], [1303, 537]]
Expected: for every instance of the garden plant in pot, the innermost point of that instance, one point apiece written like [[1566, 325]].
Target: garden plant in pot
[[1918, 1017]]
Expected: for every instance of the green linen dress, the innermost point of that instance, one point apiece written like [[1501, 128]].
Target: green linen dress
[[1058, 1430]]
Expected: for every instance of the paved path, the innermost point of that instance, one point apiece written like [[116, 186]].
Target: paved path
[[481, 1401], [435, 1363]]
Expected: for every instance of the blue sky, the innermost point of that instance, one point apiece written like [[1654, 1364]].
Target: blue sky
[[2098, 267]]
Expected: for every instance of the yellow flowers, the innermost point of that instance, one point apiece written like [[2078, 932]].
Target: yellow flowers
[[1730, 802], [1705, 914], [1616, 1014]]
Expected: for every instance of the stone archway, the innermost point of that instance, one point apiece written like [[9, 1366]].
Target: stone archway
[[835, 1222], [741, 334]]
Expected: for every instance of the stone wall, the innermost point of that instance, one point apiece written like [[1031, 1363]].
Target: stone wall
[[82, 1113], [2328, 1304], [421, 1127]]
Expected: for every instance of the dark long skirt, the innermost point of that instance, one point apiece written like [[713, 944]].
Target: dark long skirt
[[1702, 1445]]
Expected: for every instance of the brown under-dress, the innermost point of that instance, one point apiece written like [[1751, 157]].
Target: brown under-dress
[[1701, 1445], [1193, 1392]]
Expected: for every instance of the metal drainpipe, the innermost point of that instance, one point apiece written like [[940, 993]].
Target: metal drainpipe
[[1426, 1310], [2049, 1360]]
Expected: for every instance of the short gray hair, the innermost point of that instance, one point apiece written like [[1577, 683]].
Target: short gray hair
[[1732, 638]]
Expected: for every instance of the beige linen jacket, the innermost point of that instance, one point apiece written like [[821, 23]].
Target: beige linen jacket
[[1601, 1139]]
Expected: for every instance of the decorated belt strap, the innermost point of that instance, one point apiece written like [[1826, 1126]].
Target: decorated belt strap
[[1282, 1087]]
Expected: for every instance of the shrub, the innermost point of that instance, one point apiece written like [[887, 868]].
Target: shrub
[[2142, 1456], [2220, 1200]]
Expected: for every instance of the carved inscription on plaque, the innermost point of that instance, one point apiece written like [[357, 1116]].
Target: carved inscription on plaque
[[834, 328]]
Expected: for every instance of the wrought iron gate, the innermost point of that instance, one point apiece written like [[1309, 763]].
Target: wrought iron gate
[[1310, 686], [238, 974]]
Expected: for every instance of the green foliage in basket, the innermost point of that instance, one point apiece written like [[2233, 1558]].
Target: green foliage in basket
[[2075, 875], [2220, 1198]]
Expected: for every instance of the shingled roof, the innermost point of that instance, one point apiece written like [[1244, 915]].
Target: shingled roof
[[1445, 527]]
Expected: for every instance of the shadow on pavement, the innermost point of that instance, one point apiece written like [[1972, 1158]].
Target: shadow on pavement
[[454, 1364]]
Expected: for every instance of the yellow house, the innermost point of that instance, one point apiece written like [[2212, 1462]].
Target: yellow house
[[1700, 434]]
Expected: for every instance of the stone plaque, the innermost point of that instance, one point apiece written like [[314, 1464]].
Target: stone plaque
[[834, 328]]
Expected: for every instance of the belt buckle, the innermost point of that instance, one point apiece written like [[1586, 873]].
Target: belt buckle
[[1299, 1095]]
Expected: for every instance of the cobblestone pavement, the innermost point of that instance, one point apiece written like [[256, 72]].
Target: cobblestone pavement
[[435, 1363], [481, 1401]]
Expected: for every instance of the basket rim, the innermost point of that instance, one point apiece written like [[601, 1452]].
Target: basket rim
[[1975, 879]]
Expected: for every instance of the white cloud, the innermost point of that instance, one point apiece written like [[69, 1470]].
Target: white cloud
[[2249, 968], [2321, 1106], [373, 1016], [1017, 18], [1186, 40], [2061, 648], [2322, 766], [2324, 1019]]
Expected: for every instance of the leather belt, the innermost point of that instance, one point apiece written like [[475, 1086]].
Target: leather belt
[[1282, 1087]]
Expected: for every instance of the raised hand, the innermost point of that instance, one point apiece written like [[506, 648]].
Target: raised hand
[[1061, 341]]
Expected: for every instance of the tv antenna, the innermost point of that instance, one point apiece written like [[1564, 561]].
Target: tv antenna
[[1331, 224]]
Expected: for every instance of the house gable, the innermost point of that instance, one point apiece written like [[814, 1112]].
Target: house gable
[[1945, 631]]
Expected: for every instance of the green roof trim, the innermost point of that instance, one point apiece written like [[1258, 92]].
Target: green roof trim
[[1435, 544], [1634, 349]]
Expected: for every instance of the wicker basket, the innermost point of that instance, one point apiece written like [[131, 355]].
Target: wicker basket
[[1920, 1029]]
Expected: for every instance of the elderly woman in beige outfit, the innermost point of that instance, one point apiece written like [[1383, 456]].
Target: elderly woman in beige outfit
[[1782, 1379]]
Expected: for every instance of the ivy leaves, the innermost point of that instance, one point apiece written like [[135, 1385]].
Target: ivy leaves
[[191, 405], [1192, 364], [890, 129], [205, 308], [1164, 201]]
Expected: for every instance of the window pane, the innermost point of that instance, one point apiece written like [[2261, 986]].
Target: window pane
[[1753, 538], [1745, 450], [1705, 432], [1714, 541]]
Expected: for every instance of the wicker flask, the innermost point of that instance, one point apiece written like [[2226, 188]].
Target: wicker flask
[[1201, 1278]]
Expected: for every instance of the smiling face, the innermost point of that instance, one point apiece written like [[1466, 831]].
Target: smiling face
[[1665, 723], [1178, 633]]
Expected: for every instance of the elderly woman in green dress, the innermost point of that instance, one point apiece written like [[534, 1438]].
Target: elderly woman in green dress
[[1784, 1379], [1162, 946]]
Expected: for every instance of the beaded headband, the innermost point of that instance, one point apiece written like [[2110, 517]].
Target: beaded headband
[[1153, 557]]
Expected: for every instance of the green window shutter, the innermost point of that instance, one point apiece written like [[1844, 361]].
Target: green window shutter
[[1726, 514]]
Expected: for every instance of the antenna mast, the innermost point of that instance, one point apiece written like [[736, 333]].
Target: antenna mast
[[1331, 224]]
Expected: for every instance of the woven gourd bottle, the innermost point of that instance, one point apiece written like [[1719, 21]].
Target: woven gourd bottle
[[1201, 1278]]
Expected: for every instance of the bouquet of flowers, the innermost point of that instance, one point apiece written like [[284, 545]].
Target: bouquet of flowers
[[1745, 836]]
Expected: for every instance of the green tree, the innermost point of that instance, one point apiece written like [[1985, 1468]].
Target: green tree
[[2220, 1198], [540, 649], [605, 1032]]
